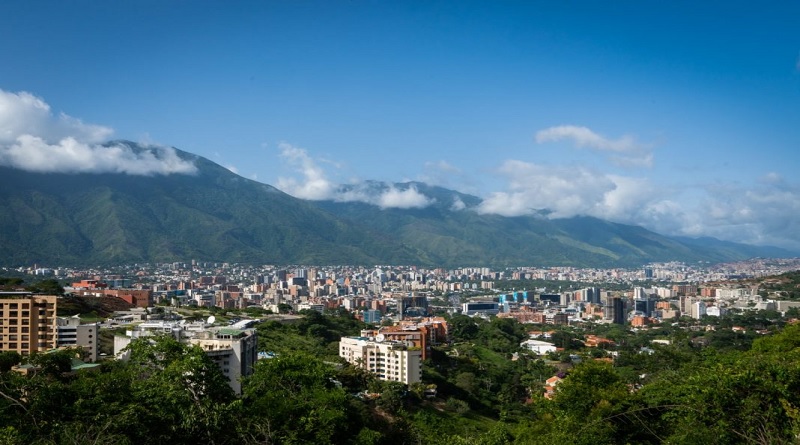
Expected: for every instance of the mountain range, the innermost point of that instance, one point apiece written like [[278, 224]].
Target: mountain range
[[74, 219]]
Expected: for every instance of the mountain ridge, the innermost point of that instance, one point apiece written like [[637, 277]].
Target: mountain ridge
[[214, 214]]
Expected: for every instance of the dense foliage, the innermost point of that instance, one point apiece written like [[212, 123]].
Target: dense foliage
[[726, 390]]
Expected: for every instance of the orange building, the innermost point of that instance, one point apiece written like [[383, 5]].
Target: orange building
[[27, 323], [89, 284], [593, 341]]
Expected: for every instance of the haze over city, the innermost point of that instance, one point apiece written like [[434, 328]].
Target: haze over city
[[682, 118]]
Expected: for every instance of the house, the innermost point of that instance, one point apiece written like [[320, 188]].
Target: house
[[593, 341], [550, 386]]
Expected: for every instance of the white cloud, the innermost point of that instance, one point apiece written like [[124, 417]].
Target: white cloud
[[563, 191], [314, 184], [403, 199], [33, 139], [764, 214], [70, 156], [458, 204], [625, 151], [232, 169], [383, 196]]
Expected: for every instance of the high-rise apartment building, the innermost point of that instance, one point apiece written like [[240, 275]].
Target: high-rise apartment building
[[27, 322]]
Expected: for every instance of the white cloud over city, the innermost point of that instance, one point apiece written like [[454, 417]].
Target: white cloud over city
[[33, 138]]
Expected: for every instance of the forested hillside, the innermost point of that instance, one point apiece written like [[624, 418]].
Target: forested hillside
[[732, 388]]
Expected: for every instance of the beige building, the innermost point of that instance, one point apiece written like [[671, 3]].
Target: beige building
[[27, 322], [389, 360]]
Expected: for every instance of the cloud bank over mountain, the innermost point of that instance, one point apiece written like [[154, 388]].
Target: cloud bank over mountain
[[314, 184], [616, 186], [761, 215], [34, 139]]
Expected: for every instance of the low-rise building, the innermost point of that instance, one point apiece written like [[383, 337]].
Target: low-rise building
[[538, 346]]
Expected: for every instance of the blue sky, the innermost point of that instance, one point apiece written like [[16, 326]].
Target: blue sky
[[683, 117]]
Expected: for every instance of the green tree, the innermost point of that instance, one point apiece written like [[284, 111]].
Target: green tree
[[181, 390], [294, 399], [8, 359]]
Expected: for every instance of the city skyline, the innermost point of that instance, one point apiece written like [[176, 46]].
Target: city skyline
[[681, 118]]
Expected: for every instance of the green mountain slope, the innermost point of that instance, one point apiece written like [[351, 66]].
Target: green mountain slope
[[465, 237], [212, 215], [216, 215]]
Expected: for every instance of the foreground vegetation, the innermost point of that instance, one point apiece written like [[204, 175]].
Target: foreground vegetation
[[729, 389]]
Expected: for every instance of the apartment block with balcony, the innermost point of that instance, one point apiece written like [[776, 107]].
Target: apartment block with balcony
[[388, 360], [27, 323]]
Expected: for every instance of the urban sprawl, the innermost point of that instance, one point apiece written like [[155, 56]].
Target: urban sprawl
[[403, 305]]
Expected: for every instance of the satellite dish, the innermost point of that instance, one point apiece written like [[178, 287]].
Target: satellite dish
[[380, 337], [211, 319]]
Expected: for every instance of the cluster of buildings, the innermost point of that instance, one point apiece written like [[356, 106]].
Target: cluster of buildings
[[637, 307], [395, 353], [404, 296], [29, 324], [236, 285]]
